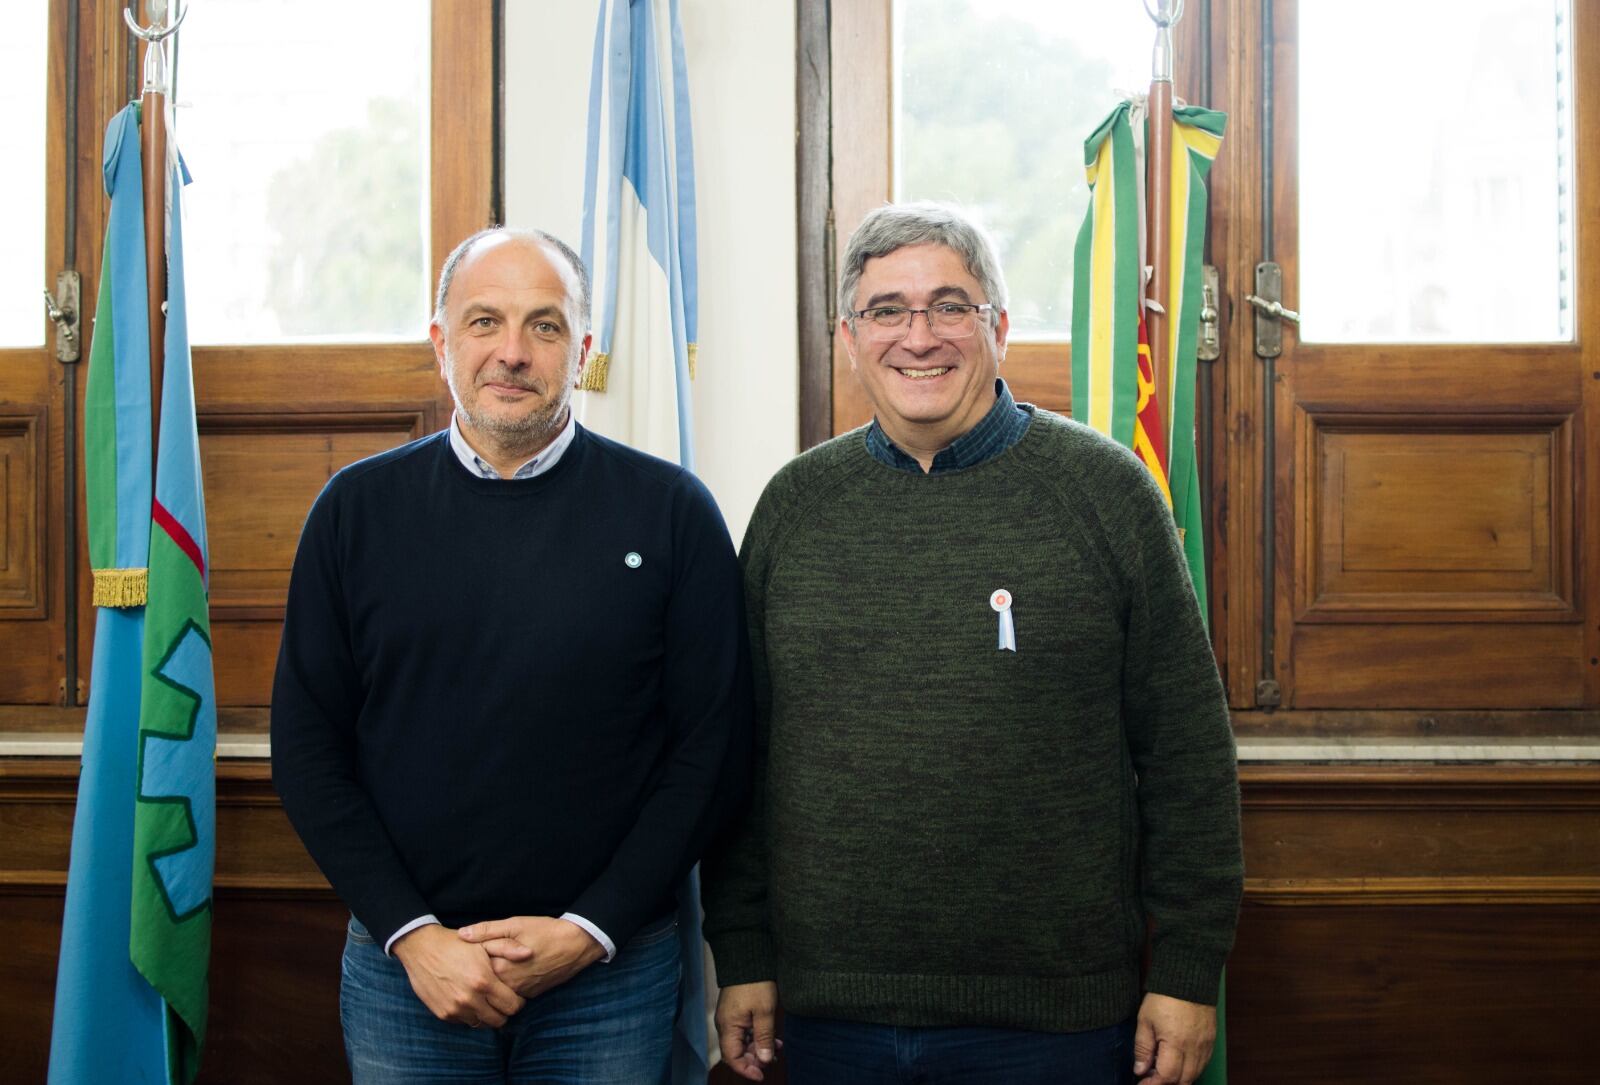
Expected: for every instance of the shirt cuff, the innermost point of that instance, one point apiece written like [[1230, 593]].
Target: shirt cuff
[[596, 933], [420, 921]]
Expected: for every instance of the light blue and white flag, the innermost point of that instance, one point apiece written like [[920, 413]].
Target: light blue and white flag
[[639, 245], [639, 231]]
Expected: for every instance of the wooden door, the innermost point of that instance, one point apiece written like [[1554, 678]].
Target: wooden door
[[277, 415], [886, 64], [35, 387], [1426, 433]]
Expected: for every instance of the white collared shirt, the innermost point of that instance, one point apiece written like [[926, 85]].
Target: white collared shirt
[[542, 462]]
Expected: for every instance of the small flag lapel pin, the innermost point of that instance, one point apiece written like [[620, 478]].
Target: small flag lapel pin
[[1000, 602]]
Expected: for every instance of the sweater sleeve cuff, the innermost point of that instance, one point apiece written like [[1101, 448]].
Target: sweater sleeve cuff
[[743, 957], [1185, 973]]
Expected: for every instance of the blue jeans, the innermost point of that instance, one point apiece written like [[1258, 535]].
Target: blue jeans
[[611, 1024], [821, 1051]]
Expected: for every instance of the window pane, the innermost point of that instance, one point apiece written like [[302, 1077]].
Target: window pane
[[1430, 214], [306, 132], [992, 103], [23, 49]]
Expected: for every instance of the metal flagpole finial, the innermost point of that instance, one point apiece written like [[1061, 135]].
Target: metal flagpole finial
[[1165, 14], [155, 56]]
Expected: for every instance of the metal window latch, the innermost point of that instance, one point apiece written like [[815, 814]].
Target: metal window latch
[[63, 309], [1268, 300], [1208, 347]]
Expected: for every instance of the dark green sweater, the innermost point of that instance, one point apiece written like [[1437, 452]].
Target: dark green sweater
[[944, 833]]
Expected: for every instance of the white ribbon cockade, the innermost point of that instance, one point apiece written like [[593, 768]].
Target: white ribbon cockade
[[1000, 601]]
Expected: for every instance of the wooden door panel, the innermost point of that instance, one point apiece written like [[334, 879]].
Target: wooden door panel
[[1399, 831], [1424, 377], [1415, 923], [1456, 994], [1428, 517], [1460, 665], [265, 471], [27, 498], [262, 472], [244, 655], [22, 515]]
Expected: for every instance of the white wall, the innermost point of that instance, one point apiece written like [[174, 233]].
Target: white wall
[[741, 85]]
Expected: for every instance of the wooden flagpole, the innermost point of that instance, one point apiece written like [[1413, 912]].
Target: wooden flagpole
[[1158, 198], [153, 155]]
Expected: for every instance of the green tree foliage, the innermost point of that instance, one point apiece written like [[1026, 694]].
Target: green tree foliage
[[993, 115], [348, 258]]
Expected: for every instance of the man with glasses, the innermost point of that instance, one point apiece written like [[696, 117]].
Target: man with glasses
[[993, 752]]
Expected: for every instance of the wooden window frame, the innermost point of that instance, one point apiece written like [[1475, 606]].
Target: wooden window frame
[[464, 193], [858, 160]]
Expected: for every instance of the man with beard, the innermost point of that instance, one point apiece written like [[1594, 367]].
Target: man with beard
[[511, 706]]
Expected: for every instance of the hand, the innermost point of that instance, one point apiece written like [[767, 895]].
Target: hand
[[745, 1014], [534, 953], [455, 980], [1172, 1042]]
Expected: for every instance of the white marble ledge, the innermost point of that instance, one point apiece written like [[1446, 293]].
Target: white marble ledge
[[43, 744], [1251, 750], [1483, 748]]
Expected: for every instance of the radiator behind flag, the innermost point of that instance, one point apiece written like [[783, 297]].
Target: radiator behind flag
[[131, 985], [1112, 382], [639, 245]]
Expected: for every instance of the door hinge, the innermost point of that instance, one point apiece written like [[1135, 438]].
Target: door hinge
[[61, 693], [1208, 347], [64, 310], [1267, 695]]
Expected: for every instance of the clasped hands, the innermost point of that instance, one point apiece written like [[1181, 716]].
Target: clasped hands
[[484, 973]]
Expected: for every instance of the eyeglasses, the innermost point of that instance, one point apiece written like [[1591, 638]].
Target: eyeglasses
[[947, 320]]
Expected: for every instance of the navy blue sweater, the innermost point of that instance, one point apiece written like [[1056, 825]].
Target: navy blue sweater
[[511, 697]]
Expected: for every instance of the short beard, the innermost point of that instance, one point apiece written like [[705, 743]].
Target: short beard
[[538, 428], [513, 432]]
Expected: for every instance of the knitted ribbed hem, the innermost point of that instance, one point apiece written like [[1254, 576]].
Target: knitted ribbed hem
[[742, 957], [1186, 973], [1041, 1003]]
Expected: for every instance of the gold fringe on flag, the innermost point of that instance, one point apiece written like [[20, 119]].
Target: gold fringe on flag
[[121, 587], [595, 374]]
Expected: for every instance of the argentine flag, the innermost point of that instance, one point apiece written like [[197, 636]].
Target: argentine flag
[[639, 231], [639, 245]]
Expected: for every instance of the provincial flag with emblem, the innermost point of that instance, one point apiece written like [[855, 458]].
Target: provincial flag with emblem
[[1113, 380], [131, 988]]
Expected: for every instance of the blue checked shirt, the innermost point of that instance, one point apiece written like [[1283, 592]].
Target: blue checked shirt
[[995, 432]]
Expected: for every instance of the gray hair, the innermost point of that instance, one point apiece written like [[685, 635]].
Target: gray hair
[[895, 226], [538, 237]]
